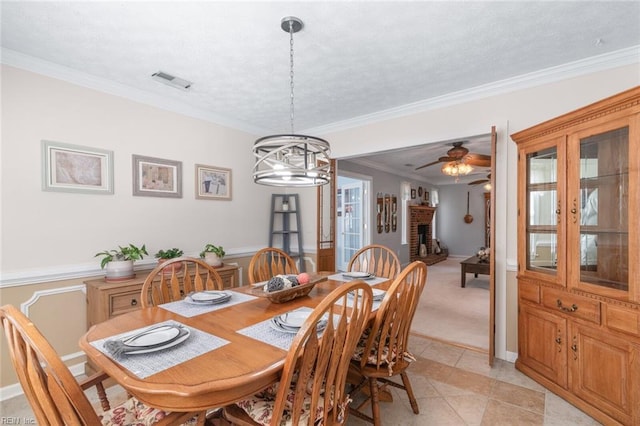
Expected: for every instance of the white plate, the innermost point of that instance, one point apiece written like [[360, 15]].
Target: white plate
[[377, 294], [356, 274], [159, 348], [209, 296], [155, 337], [294, 318], [276, 327]]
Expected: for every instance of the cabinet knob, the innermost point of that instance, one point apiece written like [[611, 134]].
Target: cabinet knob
[[557, 211], [134, 302]]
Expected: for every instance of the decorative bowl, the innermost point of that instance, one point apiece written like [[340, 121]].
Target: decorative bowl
[[287, 294]]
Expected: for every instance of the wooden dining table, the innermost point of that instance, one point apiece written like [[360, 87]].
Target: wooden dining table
[[218, 377]]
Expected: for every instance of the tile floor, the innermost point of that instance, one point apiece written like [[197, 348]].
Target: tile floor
[[454, 386]]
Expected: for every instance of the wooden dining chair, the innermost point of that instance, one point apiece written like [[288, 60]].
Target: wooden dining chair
[[382, 351], [175, 278], [55, 396], [269, 262], [311, 389], [376, 259]]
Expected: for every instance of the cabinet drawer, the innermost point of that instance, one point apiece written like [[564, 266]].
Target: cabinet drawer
[[121, 303], [572, 304], [622, 319], [529, 291]]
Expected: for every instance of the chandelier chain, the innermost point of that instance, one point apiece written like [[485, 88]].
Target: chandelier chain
[[292, 111]]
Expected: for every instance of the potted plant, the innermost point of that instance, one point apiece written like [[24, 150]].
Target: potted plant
[[119, 263], [164, 255], [213, 255]]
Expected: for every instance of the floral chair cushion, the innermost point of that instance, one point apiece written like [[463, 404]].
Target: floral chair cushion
[[134, 412], [388, 357], [260, 407]]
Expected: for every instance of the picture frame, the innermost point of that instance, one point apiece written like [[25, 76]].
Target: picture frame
[[76, 168], [156, 177], [413, 193], [213, 183]]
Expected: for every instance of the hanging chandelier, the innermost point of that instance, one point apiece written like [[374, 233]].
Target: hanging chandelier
[[291, 159], [456, 169]]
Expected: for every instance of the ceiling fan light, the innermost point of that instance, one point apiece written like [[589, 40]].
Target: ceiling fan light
[[456, 168]]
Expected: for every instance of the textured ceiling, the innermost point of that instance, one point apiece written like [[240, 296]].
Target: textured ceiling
[[352, 59]]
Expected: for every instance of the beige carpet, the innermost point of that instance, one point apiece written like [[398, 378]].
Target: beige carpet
[[451, 313]]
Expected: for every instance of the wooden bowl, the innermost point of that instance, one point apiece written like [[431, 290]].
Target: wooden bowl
[[287, 294]]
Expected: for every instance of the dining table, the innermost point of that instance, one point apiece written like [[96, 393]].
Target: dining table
[[231, 350]]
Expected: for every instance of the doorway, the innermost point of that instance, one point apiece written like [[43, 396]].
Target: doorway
[[353, 217]]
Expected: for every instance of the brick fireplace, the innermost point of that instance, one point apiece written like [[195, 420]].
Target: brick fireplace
[[420, 229]]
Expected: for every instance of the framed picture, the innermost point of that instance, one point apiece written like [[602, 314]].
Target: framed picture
[[413, 193], [74, 168], [156, 177], [213, 183]]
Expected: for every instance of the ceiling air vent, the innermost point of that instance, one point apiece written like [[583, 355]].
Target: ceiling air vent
[[171, 80]]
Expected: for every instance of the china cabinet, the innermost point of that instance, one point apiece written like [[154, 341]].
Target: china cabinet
[[578, 257]]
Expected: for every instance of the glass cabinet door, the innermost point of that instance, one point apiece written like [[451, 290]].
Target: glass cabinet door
[[544, 177], [598, 215]]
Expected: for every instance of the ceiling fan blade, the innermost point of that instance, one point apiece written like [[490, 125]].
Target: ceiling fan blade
[[478, 182], [479, 160]]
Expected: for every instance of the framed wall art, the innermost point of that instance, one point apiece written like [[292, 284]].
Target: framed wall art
[[156, 177], [213, 183], [75, 168]]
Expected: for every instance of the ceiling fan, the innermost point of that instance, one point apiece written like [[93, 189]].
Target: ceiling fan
[[461, 154], [480, 181]]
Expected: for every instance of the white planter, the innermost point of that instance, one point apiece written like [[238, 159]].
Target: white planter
[[119, 270], [212, 259]]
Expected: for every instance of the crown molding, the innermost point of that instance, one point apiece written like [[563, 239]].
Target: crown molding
[[618, 58], [50, 69], [589, 65]]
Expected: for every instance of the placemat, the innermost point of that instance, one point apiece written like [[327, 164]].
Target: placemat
[[145, 365], [189, 310], [263, 332]]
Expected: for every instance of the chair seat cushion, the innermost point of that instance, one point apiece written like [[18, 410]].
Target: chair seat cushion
[[260, 407], [134, 412], [388, 357]]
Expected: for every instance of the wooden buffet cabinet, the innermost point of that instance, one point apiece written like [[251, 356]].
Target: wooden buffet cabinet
[[108, 299], [579, 257]]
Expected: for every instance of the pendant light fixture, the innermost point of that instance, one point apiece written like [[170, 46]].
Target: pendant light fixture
[[291, 159]]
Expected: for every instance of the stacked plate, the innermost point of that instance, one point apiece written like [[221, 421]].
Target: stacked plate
[[291, 322], [208, 297], [149, 340], [378, 294], [355, 275]]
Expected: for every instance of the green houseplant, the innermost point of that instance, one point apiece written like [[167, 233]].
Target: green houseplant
[[172, 253], [213, 255], [119, 262]]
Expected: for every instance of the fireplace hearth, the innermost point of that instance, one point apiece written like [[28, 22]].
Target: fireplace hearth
[[421, 232]]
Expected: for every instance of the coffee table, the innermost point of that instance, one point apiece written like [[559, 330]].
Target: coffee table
[[472, 265]]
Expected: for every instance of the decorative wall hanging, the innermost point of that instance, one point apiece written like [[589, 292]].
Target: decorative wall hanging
[[74, 168], [155, 177], [379, 210], [213, 183], [394, 213], [387, 213]]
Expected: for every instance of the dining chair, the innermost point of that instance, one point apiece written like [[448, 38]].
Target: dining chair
[[376, 259], [175, 278], [311, 389], [382, 351], [55, 396], [269, 262]]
